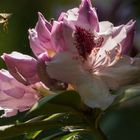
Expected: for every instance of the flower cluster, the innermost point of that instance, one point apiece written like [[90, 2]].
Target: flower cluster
[[75, 50]]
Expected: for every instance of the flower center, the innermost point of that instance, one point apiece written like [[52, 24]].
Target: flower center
[[86, 41]]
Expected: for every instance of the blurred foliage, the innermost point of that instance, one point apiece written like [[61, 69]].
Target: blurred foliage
[[120, 124], [124, 122]]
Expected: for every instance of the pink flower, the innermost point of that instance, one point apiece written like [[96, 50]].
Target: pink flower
[[14, 96], [89, 54]]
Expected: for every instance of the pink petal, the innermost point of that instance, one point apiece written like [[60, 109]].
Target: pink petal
[[22, 67], [108, 45], [125, 71], [43, 29], [124, 35], [15, 92], [119, 33], [94, 92], [71, 16], [88, 15], [43, 25], [105, 26], [35, 43], [128, 42], [14, 95], [26, 102], [9, 112], [64, 67], [62, 36]]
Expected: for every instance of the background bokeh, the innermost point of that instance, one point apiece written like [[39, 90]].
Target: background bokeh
[[122, 123]]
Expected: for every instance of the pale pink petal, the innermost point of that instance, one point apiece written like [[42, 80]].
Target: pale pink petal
[[124, 35], [16, 92], [15, 96], [105, 26], [22, 67], [62, 16], [43, 25], [62, 36], [70, 16], [127, 43], [43, 29], [64, 67], [8, 82], [125, 71], [94, 92], [26, 102], [108, 45], [9, 112], [35, 44], [88, 15], [119, 33]]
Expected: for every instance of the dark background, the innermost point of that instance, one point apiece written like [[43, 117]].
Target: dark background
[[122, 123]]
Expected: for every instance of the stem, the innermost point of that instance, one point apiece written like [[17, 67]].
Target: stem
[[93, 119], [99, 134]]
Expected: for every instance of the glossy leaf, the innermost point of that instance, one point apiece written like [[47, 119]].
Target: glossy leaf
[[32, 135], [127, 93], [47, 110], [83, 135], [55, 120], [52, 132], [68, 101]]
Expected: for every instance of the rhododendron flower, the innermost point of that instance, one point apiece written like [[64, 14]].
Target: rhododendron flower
[[86, 53], [14, 96]]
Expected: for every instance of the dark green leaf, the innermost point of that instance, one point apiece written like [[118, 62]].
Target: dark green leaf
[[51, 132], [68, 98], [68, 101], [127, 93], [47, 110], [55, 120], [83, 135], [32, 135]]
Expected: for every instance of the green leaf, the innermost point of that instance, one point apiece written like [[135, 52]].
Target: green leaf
[[68, 101], [55, 120], [12, 119], [66, 118], [59, 133], [47, 109], [83, 135], [68, 98], [32, 135], [123, 123], [131, 94], [51, 132], [67, 137], [127, 93]]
